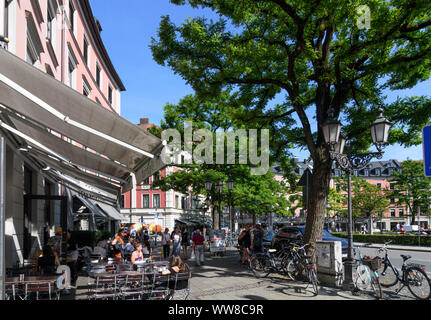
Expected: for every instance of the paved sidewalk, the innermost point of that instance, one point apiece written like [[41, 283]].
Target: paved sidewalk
[[224, 278]]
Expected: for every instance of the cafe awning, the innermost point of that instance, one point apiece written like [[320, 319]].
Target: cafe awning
[[110, 211], [43, 113]]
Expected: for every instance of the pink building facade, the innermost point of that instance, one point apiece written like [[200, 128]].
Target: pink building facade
[[61, 38]]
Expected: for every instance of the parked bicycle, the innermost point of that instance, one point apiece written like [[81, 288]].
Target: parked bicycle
[[272, 260], [367, 275], [412, 275], [301, 267]]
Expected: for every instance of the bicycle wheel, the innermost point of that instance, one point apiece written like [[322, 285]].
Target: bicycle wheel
[[377, 288], [312, 277], [363, 277], [418, 283], [260, 266], [293, 270], [387, 276]]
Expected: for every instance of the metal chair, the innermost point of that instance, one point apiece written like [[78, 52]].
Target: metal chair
[[124, 267], [181, 288], [10, 291], [39, 288], [133, 287], [160, 287], [104, 287]]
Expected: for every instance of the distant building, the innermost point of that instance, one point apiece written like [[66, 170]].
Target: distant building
[[145, 203]]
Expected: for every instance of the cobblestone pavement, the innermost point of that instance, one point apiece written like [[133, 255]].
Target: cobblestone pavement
[[224, 278]]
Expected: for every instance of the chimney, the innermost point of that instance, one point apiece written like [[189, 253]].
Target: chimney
[[144, 121]]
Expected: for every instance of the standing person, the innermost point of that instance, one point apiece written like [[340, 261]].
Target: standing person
[[185, 242], [129, 248], [146, 239], [198, 247], [117, 245], [176, 241], [258, 235], [166, 242], [245, 239]]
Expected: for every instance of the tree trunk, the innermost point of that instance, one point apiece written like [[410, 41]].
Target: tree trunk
[[216, 216], [318, 197]]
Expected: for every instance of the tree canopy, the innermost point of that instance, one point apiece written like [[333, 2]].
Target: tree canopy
[[314, 55]]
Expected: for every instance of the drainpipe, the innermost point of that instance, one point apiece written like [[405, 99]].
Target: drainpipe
[[2, 216]]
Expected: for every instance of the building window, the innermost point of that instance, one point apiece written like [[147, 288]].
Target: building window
[[146, 182], [71, 73], [31, 55], [156, 200], [6, 18], [72, 68], [122, 200], [145, 201], [366, 173], [110, 95], [378, 172], [85, 51], [337, 173], [183, 202], [177, 202], [72, 16], [400, 212], [86, 89], [393, 213], [355, 172], [379, 185], [98, 76], [392, 186]]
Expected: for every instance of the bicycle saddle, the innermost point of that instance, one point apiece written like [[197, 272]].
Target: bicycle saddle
[[405, 257]]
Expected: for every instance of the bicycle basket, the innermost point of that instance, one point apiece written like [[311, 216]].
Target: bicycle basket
[[373, 264]]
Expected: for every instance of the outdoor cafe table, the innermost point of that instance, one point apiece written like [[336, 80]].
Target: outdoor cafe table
[[31, 279]]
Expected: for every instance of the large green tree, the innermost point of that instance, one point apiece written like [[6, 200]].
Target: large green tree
[[314, 54], [412, 188], [254, 194]]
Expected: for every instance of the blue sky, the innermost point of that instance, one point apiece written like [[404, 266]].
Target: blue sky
[[127, 32]]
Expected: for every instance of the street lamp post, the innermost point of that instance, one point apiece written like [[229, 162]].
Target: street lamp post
[[348, 162]]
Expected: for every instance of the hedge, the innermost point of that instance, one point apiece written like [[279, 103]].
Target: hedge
[[90, 238], [399, 239]]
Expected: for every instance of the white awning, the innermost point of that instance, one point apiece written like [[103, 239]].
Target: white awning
[[47, 115], [110, 211]]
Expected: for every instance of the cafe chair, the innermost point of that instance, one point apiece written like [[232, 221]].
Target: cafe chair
[[103, 288], [10, 291], [38, 289], [160, 287], [124, 267], [181, 288], [133, 287]]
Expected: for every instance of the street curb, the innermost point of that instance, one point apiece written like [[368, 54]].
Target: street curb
[[400, 248]]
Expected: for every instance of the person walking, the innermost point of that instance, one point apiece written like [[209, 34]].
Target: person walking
[[176, 241], [198, 247], [166, 242], [185, 242]]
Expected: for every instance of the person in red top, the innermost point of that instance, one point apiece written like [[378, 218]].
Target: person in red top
[[198, 247]]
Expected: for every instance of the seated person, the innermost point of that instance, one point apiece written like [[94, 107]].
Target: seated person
[[48, 262], [137, 255], [176, 265], [129, 248], [100, 249]]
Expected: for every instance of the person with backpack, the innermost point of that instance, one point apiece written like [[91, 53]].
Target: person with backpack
[[258, 235]]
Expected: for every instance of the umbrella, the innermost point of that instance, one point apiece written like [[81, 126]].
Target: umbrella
[[138, 227], [155, 228]]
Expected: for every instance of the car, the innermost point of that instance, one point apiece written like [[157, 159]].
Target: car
[[296, 233]]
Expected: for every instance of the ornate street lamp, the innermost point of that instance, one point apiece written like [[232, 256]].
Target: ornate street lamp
[[348, 162], [208, 184]]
